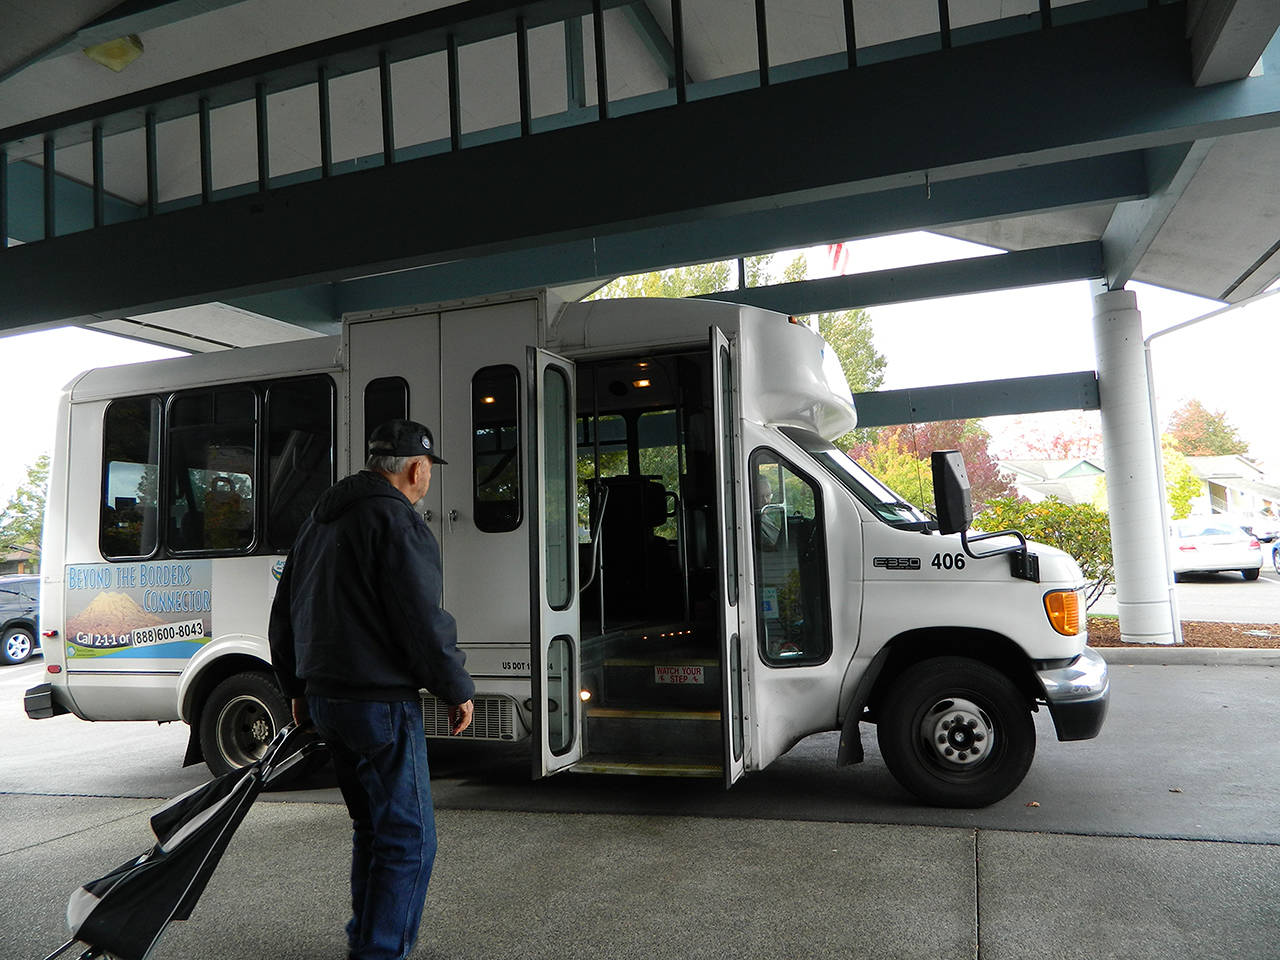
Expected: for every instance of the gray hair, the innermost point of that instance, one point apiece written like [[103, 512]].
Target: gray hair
[[388, 464]]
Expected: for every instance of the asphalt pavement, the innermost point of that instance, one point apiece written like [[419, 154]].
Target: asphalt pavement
[[1159, 839]]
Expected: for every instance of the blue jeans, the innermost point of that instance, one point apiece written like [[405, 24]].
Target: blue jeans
[[380, 754]]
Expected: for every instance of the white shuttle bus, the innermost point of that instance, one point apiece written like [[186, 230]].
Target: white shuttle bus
[[658, 561]]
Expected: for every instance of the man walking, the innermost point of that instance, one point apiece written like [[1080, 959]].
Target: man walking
[[356, 629]]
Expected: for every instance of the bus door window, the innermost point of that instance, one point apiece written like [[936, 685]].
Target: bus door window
[[790, 563], [495, 449], [386, 398], [130, 479], [212, 458], [300, 457]]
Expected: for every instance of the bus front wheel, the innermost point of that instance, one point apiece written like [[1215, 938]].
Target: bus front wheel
[[956, 732], [239, 719]]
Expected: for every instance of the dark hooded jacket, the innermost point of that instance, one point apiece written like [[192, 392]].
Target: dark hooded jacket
[[357, 611]]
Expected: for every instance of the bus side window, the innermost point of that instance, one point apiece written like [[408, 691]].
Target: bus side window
[[790, 562], [127, 525], [300, 454], [212, 469]]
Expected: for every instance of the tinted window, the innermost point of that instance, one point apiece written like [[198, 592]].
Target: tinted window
[[495, 448], [386, 398], [212, 465], [127, 525], [299, 454], [560, 541]]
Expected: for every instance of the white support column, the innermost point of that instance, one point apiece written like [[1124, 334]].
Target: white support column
[[1133, 486]]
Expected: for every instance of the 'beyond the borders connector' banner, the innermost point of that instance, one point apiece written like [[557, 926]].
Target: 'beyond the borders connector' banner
[[160, 609]]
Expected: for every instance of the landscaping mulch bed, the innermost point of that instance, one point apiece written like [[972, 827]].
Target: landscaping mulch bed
[[1105, 632]]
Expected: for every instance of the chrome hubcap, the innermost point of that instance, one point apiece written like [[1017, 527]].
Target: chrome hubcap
[[959, 732], [244, 729]]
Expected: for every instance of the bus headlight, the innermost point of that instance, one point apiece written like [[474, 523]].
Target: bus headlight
[[1063, 610]]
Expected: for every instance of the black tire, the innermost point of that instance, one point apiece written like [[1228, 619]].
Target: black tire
[[990, 748], [1275, 558], [239, 719], [1177, 578], [17, 645], [1251, 574]]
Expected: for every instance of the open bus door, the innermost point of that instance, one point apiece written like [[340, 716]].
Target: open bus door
[[558, 714], [724, 381]]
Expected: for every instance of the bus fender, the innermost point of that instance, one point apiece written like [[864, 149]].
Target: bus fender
[[850, 736], [236, 645]]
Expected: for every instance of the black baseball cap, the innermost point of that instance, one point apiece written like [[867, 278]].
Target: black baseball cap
[[403, 438]]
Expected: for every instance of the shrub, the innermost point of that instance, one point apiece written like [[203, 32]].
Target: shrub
[[1080, 529]]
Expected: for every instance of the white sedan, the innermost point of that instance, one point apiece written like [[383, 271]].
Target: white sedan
[[1207, 545]]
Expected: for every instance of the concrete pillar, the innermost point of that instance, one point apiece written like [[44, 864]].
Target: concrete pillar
[[1133, 487]]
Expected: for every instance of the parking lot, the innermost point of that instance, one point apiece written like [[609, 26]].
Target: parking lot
[[1220, 597]]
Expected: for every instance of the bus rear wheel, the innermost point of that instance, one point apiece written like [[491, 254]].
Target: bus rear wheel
[[241, 716], [956, 733]]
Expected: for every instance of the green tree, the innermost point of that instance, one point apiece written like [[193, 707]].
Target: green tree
[[690, 281], [1080, 529], [898, 468], [22, 521], [1200, 432], [1181, 485]]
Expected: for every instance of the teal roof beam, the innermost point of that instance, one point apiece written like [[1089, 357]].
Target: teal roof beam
[[983, 398], [1005, 271], [1016, 193]]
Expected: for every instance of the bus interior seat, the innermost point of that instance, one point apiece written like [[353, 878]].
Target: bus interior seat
[[641, 569]]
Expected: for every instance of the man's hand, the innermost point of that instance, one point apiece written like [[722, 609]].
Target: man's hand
[[460, 717], [301, 712]]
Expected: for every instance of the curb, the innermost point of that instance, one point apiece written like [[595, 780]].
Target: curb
[[1180, 656]]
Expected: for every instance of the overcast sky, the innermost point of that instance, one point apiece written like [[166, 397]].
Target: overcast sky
[[1228, 363]]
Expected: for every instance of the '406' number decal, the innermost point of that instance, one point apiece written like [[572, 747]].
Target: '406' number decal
[[947, 561]]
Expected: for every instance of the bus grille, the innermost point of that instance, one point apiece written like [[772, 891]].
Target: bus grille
[[494, 719]]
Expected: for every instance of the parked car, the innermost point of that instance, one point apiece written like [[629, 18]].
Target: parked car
[[1210, 545], [20, 616], [1275, 555], [1263, 526]]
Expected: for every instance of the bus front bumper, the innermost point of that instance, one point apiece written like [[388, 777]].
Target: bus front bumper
[[1077, 695]]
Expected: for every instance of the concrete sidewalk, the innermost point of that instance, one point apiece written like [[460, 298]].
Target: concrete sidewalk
[[556, 885]]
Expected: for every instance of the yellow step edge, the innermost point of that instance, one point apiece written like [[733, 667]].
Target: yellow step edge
[[620, 713], [648, 769]]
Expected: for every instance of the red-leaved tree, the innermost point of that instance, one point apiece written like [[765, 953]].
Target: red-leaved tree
[[920, 439]]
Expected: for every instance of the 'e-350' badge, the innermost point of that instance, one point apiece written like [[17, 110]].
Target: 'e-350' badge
[[897, 563]]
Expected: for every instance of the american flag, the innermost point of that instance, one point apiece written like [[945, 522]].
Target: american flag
[[839, 254]]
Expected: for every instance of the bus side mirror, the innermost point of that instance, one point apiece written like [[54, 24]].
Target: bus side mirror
[[951, 491]]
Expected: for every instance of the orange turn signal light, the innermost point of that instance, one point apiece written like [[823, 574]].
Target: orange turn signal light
[[1063, 608]]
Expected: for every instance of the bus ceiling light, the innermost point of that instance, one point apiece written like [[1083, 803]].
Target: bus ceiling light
[[584, 695], [1063, 608], [487, 400], [640, 384]]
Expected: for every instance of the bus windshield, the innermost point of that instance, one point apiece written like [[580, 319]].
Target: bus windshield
[[878, 498]]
